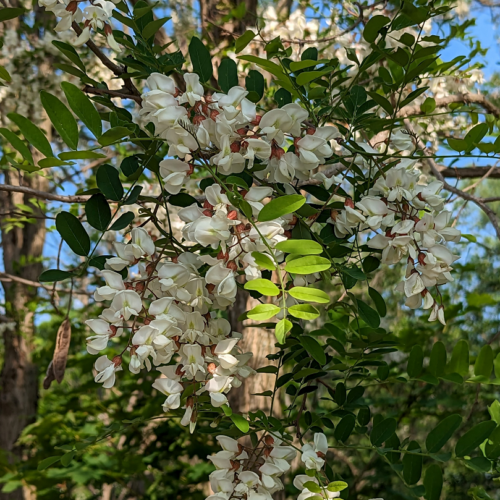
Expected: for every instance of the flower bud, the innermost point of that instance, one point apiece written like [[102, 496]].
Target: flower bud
[[349, 203], [179, 370], [214, 114], [256, 120], [206, 204], [208, 213], [210, 287], [198, 119], [72, 7], [113, 329], [311, 130], [211, 367], [242, 131], [269, 440], [108, 30], [235, 147], [117, 360], [232, 265], [232, 215], [190, 402]]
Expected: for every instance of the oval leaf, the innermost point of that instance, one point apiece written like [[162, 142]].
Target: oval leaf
[[73, 233], [281, 206], [308, 265]]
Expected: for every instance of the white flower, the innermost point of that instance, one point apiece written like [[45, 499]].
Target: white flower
[[312, 455], [106, 371], [125, 304], [172, 389], [141, 243], [174, 174], [157, 81], [114, 285], [194, 89]]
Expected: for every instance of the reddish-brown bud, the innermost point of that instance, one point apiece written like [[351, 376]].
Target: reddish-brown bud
[[320, 454], [208, 213], [222, 256], [117, 360], [190, 170], [235, 147], [210, 287], [175, 259], [311, 130], [108, 30], [206, 204], [113, 329], [139, 287], [129, 286], [421, 258], [198, 119], [269, 440], [72, 7], [232, 215], [243, 192], [232, 265], [287, 234], [177, 92], [349, 203], [179, 370], [190, 402], [214, 114], [211, 367], [150, 268], [240, 228], [256, 120], [333, 215], [147, 321], [235, 465], [277, 152], [242, 131]]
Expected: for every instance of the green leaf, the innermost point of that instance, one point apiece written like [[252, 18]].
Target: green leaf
[[300, 247], [282, 328], [98, 212], [282, 97], [240, 422], [440, 435], [254, 83], [281, 206], [83, 108], [378, 301], [67, 458], [303, 311], [475, 135], [228, 75], [113, 135], [415, 362], [344, 428], [437, 362], [265, 287], [80, 155], [32, 134], [309, 294], [52, 275], [263, 261], [62, 119], [73, 233], [201, 59], [152, 28], [473, 438], [313, 347], [382, 102], [382, 431], [130, 165], [433, 482], [337, 486], [459, 362], [412, 464], [304, 64], [108, 181], [70, 53], [484, 362], [373, 27], [368, 314], [263, 312], [271, 67], [308, 265], [8, 13], [492, 448], [123, 221], [242, 41], [4, 74], [17, 144], [312, 486], [47, 462], [428, 106], [309, 76]]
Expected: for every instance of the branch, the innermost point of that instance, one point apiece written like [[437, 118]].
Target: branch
[[458, 98], [123, 93], [469, 172], [44, 195], [466, 196]]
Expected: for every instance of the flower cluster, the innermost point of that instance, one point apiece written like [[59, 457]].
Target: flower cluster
[[96, 16], [168, 310], [249, 473]]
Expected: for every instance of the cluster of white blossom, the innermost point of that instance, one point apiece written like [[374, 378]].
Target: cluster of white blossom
[[169, 312], [94, 16], [249, 473], [409, 216]]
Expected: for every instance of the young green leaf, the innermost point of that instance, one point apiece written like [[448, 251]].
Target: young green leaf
[[308, 265], [240, 422], [303, 311], [265, 287], [309, 294], [264, 261], [300, 247], [282, 328], [263, 312], [473, 438], [61, 118], [281, 206]]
